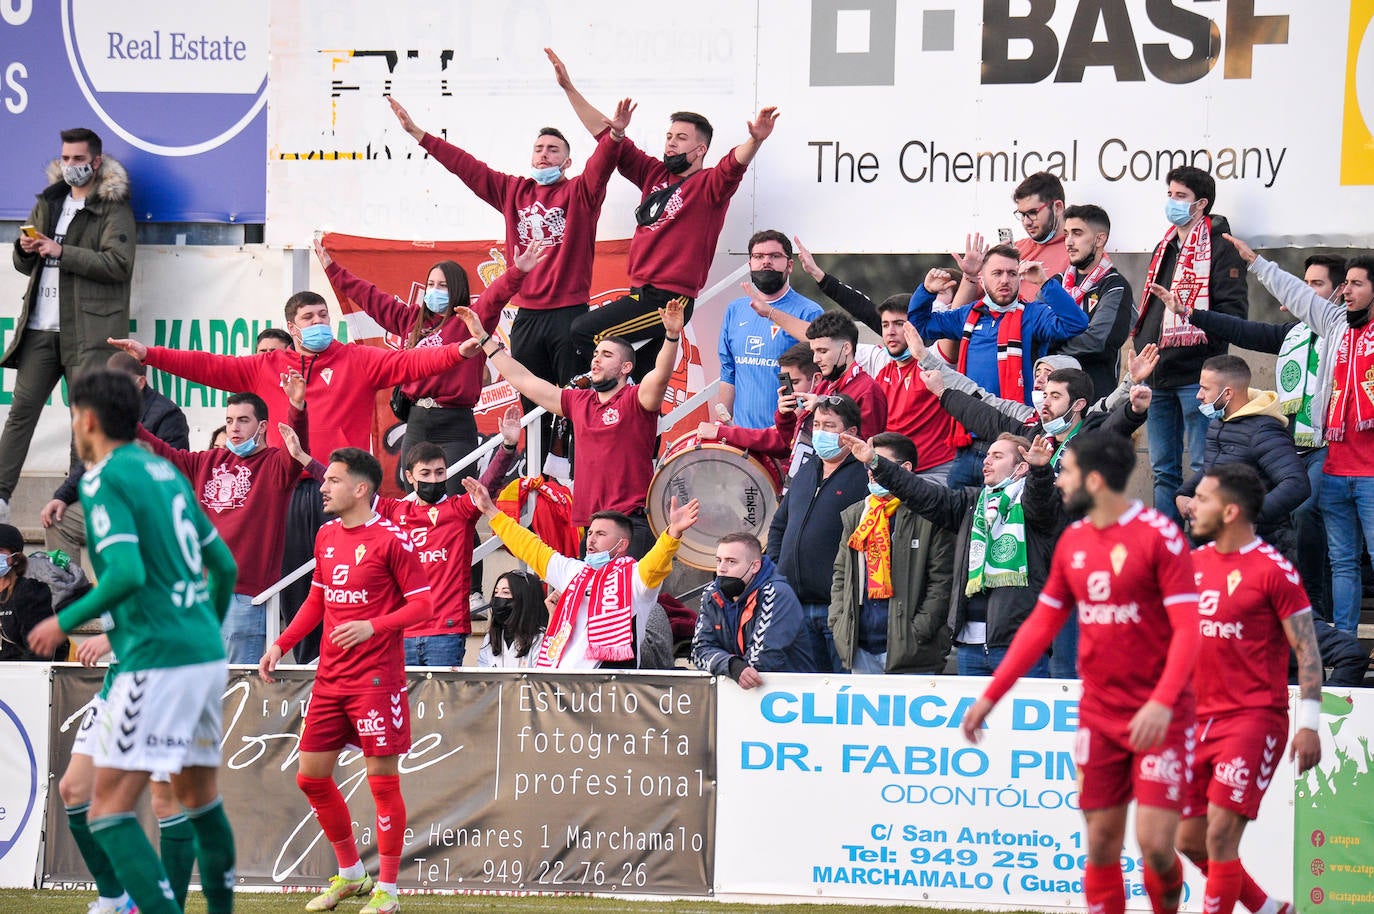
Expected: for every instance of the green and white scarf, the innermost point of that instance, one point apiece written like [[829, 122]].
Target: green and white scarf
[[1298, 371], [997, 544]]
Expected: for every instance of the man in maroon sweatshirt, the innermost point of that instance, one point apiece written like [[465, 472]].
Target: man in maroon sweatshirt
[[341, 384], [680, 219]]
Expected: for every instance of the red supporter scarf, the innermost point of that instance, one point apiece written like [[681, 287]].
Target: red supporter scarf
[[1352, 382], [610, 611], [1010, 371], [1191, 282], [1094, 277]]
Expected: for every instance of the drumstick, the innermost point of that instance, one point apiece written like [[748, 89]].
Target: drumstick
[[722, 413]]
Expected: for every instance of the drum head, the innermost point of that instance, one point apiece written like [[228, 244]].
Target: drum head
[[737, 495]]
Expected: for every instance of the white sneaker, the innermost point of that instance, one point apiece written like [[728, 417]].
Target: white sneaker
[[106, 906], [477, 606]]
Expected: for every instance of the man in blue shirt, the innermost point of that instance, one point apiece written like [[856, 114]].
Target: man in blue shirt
[[750, 343]]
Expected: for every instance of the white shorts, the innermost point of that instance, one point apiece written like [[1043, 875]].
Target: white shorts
[[163, 720]]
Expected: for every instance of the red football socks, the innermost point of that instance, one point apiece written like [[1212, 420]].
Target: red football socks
[[391, 825], [332, 813], [1104, 890]]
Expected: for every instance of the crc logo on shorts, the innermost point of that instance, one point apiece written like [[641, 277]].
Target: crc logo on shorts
[[371, 725], [1164, 768], [1234, 774]]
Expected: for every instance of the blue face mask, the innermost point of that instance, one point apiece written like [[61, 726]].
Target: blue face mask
[[598, 559], [827, 445], [546, 176], [436, 300], [1178, 212], [317, 337], [244, 448], [4, 565], [1059, 425], [1213, 410], [904, 357], [877, 491]]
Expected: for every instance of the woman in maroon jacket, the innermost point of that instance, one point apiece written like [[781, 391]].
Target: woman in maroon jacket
[[442, 404]]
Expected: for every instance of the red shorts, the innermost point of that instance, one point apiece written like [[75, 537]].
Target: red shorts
[[1235, 760], [378, 723], [1111, 773]]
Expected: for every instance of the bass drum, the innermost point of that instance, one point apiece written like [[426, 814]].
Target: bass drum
[[738, 492]]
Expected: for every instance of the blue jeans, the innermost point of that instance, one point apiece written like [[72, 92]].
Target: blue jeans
[[244, 629], [981, 660], [822, 639], [436, 650], [966, 469], [1310, 530], [1174, 416], [1347, 503], [1064, 652]]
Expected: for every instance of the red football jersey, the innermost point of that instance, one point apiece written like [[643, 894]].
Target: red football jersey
[[365, 572], [614, 457], [1243, 598], [442, 537], [1121, 581], [914, 411]]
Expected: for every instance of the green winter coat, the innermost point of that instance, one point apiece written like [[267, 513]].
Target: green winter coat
[[96, 268], [918, 624]]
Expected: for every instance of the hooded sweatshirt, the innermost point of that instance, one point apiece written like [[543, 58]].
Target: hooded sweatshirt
[[1256, 434]]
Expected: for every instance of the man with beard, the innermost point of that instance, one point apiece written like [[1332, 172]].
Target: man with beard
[[750, 343], [615, 422], [1253, 608], [1101, 291], [1126, 571], [1000, 337]]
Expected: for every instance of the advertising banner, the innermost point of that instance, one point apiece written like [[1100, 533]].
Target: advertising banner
[[24, 759], [1333, 869], [570, 783], [913, 812], [176, 91]]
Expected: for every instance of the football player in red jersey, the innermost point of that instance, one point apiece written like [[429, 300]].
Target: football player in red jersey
[[367, 589], [1251, 607], [1126, 571]]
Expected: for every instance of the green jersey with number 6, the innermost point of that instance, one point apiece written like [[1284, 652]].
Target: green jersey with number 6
[[133, 498]]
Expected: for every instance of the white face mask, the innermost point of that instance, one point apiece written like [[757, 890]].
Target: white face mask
[[1037, 399]]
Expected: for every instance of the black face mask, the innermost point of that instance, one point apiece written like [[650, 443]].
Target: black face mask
[[676, 163], [501, 608], [835, 373], [769, 282], [431, 492], [730, 588], [603, 386], [1357, 318]]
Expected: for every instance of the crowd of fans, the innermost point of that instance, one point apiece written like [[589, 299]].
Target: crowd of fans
[[937, 541]]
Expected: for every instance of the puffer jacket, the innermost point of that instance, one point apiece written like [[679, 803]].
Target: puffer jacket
[[96, 268], [767, 620], [1257, 434], [919, 634]]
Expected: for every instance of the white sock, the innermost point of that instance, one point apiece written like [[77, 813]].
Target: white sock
[[354, 872], [388, 887]]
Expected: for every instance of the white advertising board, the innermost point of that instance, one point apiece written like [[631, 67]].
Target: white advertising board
[[24, 759]]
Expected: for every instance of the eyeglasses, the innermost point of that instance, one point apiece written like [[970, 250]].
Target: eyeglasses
[[1028, 216], [769, 258]]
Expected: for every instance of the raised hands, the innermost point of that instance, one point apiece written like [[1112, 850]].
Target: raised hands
[[682, 517], [762, 127], [1142, 364], [320, 252], [533, 254], [971, 261], [861, 449], [292, 442], [510, 424], [1140, 397], [808, 262], [1039, 453], [132, 347], [481, 498], [933, 380], [293, 385], [673, 316], [560, 70], [1033, 272], [914, 341], [471, 320], [1246, 253], [624, 110], [1171, 301], [403, 116], [938, 281]]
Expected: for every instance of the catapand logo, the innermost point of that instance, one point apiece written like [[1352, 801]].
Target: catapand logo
[[19, 793], [171, 79]]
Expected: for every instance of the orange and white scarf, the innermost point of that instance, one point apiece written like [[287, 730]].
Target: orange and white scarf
[[873, 537], [610, 613]]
